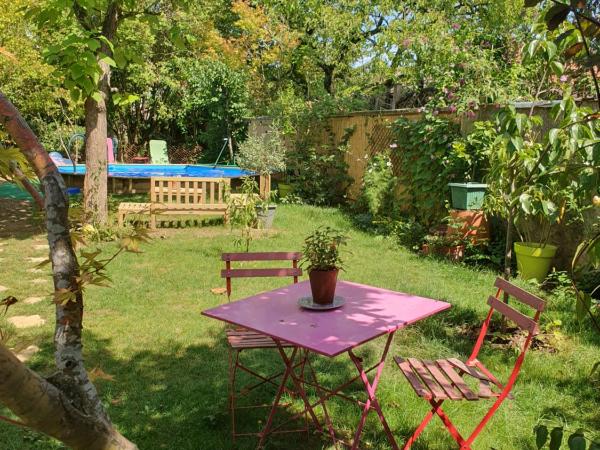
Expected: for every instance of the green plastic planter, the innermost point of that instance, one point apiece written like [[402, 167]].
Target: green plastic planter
[[533, 260], [467, 195]]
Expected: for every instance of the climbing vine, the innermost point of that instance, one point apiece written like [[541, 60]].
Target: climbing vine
[[427, 164]]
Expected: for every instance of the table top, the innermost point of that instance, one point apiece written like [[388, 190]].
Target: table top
[[368, 312]]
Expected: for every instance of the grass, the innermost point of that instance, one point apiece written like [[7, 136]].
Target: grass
[[165, 365]]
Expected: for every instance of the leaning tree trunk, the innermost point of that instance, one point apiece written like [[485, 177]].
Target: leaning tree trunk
[[66, 405]]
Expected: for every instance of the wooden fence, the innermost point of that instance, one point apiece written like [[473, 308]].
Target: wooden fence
[[372, 132]]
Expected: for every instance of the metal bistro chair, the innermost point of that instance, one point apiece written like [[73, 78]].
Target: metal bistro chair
[[241, 339], [441, 380]]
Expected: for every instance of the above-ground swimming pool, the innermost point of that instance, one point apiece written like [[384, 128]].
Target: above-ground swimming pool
[[135, 178]]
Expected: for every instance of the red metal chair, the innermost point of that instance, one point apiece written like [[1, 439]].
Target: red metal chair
[[242, 339], [441, 380]]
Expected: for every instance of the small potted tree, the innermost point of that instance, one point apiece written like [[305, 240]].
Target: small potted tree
[[264, 155], [321, 258]]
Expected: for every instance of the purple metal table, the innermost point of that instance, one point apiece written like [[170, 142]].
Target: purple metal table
[[368, 313]]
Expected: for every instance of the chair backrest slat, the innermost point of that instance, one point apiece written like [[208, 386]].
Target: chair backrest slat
[[520, 295], [229, 273], [246, 273], [262, 256], [520, 319]]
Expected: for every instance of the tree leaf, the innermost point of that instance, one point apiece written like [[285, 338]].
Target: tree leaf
[[557, 68], [592, 61], [97, 96], [584, 302], [108, 60], [594, 446], [525, 200], [573, 49], [541, 435], [556, 436], [576, 441], [531, 3], [556, 15], [553, 135], [565, 34]]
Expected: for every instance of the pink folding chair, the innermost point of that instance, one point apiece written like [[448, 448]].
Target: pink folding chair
[[443, 379], [241, 339]]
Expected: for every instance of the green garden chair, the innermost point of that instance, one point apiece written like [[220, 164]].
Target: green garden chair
[[158, 152]]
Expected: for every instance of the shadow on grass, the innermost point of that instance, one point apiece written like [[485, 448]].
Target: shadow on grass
[[18, 220], [178, 398]]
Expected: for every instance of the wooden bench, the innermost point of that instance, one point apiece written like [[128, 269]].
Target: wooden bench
[[181, 196]]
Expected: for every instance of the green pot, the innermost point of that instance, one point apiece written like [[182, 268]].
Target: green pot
[[284, 189], [533, 260], [467, 195]]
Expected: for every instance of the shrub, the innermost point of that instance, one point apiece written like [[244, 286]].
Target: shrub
[[263, 154], [427, 164], [320, 174], [379, 186]]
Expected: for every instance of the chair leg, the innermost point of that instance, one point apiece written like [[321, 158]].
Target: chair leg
[[452, 429], [152, 221], [233, 364], [411, 440]]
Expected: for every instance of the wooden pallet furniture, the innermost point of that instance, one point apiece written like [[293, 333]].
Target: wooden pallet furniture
[[180, 196]]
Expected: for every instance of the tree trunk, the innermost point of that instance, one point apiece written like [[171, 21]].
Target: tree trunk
[[95, 186], [68, 399], [45, 407], [328, 71]]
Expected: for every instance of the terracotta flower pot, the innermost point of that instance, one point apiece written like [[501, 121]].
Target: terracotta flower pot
[[322, 285]]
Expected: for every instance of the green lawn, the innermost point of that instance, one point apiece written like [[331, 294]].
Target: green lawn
[[169, 363]]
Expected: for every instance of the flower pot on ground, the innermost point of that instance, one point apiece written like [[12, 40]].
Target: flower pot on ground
[[469, 224], [534, 259], [321, 258], [467, 195], [265, 215], [449, 245]]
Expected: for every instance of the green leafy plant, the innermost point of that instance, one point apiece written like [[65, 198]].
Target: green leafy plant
[[473, 149], [242, 212], [408, 233], [265, 154], [438, 241], [320, 174], [322, 249], [427, 163], [379, 186]]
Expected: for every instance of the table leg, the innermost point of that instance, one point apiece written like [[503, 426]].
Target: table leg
[[299, 386], [286, 374], [372, 401], [298, 382]]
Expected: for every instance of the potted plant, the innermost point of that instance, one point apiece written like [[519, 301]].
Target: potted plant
[[536, 185], [264, 155], [265, 211], [442, 243], [533, 223], [470, 154], [321, 258]]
